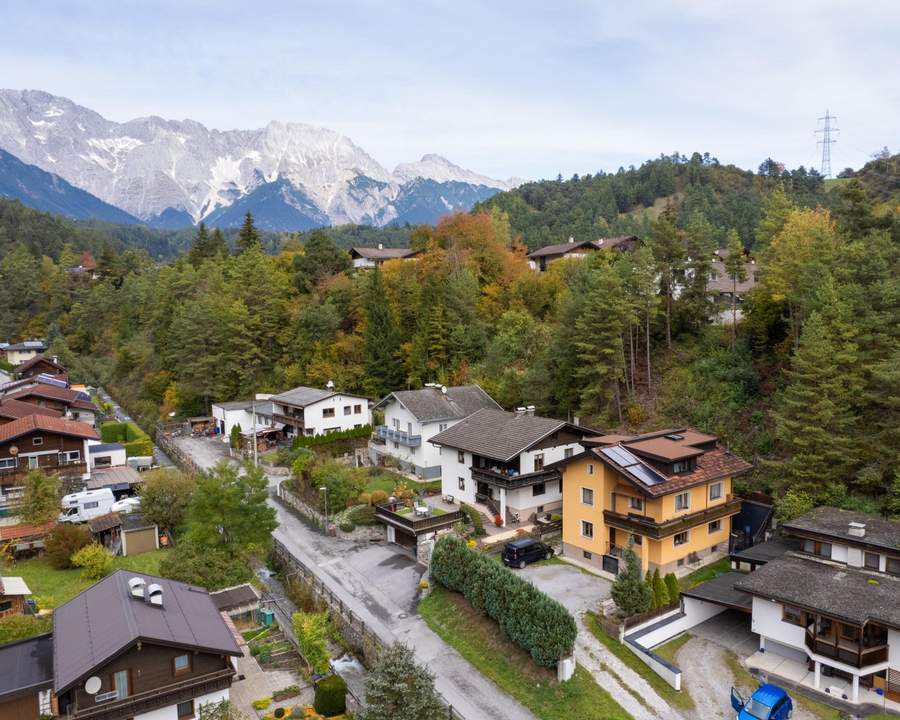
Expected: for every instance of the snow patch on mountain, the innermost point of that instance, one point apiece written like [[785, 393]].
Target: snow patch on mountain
[[437, 168]]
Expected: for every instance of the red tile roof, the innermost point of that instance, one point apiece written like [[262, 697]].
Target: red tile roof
[[51, 392], [24, 530], [43, 423], [15, 409]]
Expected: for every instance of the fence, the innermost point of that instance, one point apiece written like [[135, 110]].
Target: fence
[[170, 448], [361, 639]]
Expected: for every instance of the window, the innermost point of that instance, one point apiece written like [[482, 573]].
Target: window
[[103, 462], [636, 539], [793, 615], [6, 463], [396, 445], [568, 452], [348, 410], [462, 483], [396, 423], [91, 505], [587, 496], [681, 466], [186, 709], [715, 491], [635, 503], [37, 441], [586, 555], [814, 547], [849, 632], [590, 469], [682, 501], [460, 456], [121, 684], [181, 664], [714, 527], [357, 409], [34, 462], [538, 462], [893, 566], [442, 427], [540, 508], [327, 412], [538, 489], [873, 561], [680, 538], [559, 489], [587, 529], [71, 456], [5, 605]]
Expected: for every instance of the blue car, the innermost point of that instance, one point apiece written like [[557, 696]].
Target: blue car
[[769, 702]]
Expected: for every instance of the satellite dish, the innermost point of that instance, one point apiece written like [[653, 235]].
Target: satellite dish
[[92, 685], [14, 450]]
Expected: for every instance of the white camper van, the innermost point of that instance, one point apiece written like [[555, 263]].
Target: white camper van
[[85, 505]]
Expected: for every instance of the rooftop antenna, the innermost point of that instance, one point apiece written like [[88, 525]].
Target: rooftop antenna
[[826, 142]]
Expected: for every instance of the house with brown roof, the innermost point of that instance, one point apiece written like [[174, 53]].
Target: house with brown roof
[[40, 365], [11, 409], [541, 259], [367, 257], [51, 444], [74, 404], [667, 495]]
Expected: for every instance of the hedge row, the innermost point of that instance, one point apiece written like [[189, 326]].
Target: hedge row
[[533, 621], [310, 441], [136, 442]]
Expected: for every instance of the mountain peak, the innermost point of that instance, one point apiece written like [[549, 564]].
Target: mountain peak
[[438, 168]]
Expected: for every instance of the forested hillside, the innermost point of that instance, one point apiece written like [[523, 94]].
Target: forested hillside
[[808, 387]]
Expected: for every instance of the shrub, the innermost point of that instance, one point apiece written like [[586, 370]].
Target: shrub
[[535, 622], [262, 703], [95, 562], [135, 440], [475, 518], [347, 526], [672, 587], [660, 592], [402, 492], [311, 630], [631, 594], [286, 692], [279, 713], [362, 515], [63, 542], [311, 441], [379, 497], [331, 696], [207, 567], [365, 499]]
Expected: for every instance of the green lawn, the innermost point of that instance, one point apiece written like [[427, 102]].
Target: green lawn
[[668, 651], [720, 567], [52, 587], [479, 640], [675, 698]]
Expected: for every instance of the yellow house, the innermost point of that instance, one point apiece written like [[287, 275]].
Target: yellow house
[[668, 494]]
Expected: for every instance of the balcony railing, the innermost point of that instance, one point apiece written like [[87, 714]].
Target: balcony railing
[[417, 524], [846, 651], [292, 420], [60, 465], [512, 482], [150, 700], [649, 527], [399, 436]]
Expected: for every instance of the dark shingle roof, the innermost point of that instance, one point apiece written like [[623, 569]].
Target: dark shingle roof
[[847, 593], [721, 590], [234, 596], [763, 552], [104, 447], [381, 253], [430, 404], [27, 666], [834, 522], [263, 407], [28, 364], [104, 620], [102, 523], [500, 435]]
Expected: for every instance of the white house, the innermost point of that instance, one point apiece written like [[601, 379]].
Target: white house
[[366, 257], [106, 455], [499, 460], [243, 412], [18, 353], [413, 417], [316, 411]]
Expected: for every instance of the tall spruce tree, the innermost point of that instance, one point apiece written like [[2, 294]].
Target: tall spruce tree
[[217, 245], [380, 338], [399, 688], [670, 253], [629, 591], [201, 248], [248, 236], [737, 273]]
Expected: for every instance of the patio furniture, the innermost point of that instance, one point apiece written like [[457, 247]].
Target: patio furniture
[[449, 499], [421, 508]]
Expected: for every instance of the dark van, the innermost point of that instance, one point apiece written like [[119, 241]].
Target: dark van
[[521, 552]]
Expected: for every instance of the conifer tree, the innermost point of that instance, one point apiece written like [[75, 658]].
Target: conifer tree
[[217, 245], [200, 248], [380, 338], [399, 688], [248, 236], [660, 592], [737, 272], [669, 251], [629, 591], [776, 212]]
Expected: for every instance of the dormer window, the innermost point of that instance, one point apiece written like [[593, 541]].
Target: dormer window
[[681, 466]]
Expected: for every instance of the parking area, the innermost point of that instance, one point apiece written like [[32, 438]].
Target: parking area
[[577, 589], [730, 630], [204, 451]]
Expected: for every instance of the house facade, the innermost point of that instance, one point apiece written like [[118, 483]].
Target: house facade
[[244, 413], [501, 462], [316, 411], [107, 455], [542, 258], [413, 417], [667, 495], [26, 683], [38, 365], [74, 404], [13, 592], [51, 444], [18, 353], [366, 257]]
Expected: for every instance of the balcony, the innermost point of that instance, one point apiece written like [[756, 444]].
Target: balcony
[[849, 652], [406, 518], [295, 420], [648, 527], [511, 480], [398, 436]]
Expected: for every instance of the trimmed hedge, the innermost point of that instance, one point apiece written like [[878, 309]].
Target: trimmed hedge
[[136, 442], [311, 441], [536, 623], [331, 696], [475, 518]]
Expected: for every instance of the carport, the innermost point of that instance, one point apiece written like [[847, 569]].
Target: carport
[[721, 591]]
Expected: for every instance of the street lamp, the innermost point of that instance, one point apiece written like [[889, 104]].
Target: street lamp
[[324, 489]]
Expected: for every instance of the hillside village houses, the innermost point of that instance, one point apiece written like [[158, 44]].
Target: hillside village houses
[[317, 411], [366, 257], [413, 417], [541, 259], [18, 353]]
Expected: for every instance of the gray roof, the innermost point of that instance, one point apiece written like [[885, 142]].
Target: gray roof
[[721, 591], [723, 283], [374, 253], [28, 345], [103, 621], [601, 244], [303, 396], [430, 404], [764, 552], [850, 594], [119, 475], [27, 666], [835, 523], [104, 447], [501, 435], [235, 596], [263, 407]]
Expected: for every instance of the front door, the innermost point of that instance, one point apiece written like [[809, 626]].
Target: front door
[[33, 462]]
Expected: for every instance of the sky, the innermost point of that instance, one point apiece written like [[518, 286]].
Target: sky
[[505, 88]]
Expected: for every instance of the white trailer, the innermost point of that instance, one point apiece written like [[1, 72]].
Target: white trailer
[[85, 505]]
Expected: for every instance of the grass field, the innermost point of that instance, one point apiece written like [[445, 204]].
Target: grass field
[[479, 640], [52, 587]]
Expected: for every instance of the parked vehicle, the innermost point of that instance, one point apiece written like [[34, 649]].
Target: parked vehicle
[[85, 505], [519, 553], [126, 505], [769, 702]]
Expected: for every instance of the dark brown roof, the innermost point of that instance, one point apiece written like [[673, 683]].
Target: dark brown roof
[[10, 408], [235, 597], [501, 435], [721, 591], [51, 392], [27, 666], [37, 359], [103, 621], [431, 404], [846, 593], [382, 253], [43, 423], [626, 241], [833, 522], [103, 523], [661, 448]]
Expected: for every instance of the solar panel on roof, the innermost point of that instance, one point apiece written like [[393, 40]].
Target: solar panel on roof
[[627, 461], [646, 475], [620, 456]]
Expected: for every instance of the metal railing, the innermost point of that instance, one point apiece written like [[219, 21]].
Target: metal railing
[[400, 436], [512, 482], [418, 524]]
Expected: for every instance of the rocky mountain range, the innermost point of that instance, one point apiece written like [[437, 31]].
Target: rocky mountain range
[[170, 173]]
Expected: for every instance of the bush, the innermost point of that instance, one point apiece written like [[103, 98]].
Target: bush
[[535, 622], [279, 713], [207, 567], [286, 692], [331, 696], [475, 518], [672, 587], [365, 499], [262, 703], [63, 542], [94, 560], [311, 441], [660, 591], [379, 497], [347, 526], [312, 630], [135, 440], [362, 515]]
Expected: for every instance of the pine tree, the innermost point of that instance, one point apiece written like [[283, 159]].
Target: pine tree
[[380, 338], [217, 245], [737, 272], [776, 212], [660, 592], [200, 248], [672, 588], [248, 236], [669, 251], [399, 688], [630, 593]]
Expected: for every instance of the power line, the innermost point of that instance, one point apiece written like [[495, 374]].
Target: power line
[[827, 141]]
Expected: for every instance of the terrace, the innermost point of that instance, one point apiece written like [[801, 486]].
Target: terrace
[[400, 436], [425, 514]]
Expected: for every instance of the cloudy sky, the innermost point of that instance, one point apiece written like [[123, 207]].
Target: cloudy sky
[[507, 88]]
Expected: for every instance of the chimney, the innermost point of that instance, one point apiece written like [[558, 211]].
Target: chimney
[[529, 410], [330, 385], [155, 595], [55, 358], [520, 411], [136, 587], [857, 529], [571, 240], [381, 246]]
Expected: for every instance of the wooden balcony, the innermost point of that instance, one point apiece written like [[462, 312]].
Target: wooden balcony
[[639, 524], [150, 700], [295, 421], [849, 652], [513, 482]]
